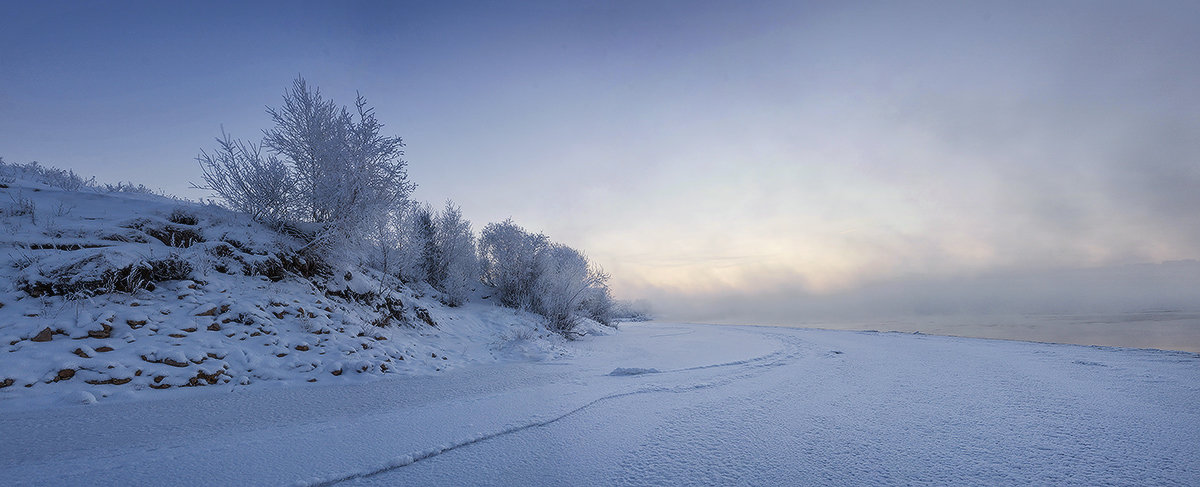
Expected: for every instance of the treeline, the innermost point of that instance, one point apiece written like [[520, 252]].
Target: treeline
[[326, 173]]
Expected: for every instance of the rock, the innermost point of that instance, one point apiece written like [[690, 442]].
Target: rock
[[174, 363], [135, 324], [81, 353], [65, 374], [302, 348], [169, 361], [104, 332], [43, 336], [113, 381], [104, 349], [214, 327], [211, 312], [423, 314], [337, 372], [6, 382], [208, 378]]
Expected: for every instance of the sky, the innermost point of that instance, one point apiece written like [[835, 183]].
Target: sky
[[728, 161]]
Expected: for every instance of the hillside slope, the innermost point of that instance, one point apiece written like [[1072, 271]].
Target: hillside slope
[[114, 292]]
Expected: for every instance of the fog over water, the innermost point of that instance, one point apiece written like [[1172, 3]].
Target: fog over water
[[1142, 306]]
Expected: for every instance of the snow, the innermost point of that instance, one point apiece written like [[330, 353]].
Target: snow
[[728, 405], [74, 330]]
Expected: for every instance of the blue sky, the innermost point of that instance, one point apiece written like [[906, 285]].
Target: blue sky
[[698, 150]]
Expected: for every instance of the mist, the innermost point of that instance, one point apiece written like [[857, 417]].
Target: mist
[[1166, 287]]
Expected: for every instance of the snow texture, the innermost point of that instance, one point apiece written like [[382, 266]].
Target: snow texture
[[730, 406]]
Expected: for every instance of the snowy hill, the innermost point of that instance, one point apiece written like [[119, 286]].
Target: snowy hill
[[106, 292]]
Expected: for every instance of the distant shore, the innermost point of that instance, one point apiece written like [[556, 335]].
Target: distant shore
[[1162, 330]]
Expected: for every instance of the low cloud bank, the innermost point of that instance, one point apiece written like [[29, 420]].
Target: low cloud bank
[[1169, 286]]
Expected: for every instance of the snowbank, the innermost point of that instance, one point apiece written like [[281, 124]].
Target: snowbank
[[108, 292]]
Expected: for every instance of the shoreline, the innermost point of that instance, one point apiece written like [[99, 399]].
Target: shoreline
[[1176, 331]]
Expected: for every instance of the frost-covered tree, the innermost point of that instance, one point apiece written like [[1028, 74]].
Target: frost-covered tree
[[339, 159], [459, 267], [312, 133], [249, 183], [339, 171], [432, 261], [509, 261], [530, 272], [565, 280], [597, 302], [383, 243], [418, 245], [638, 310]]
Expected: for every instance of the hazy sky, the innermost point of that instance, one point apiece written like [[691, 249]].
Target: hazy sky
[[700, 151]]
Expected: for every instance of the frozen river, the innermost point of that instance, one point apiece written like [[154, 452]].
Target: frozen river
[[662, 404]]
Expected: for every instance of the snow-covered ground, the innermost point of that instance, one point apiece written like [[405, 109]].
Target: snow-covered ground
[[659, 404], [109, 295]]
